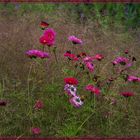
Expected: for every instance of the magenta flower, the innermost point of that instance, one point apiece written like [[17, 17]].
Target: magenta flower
[[75, 40], [36, 130], [38, 105], [93, 89], [98, 57], [88, 59], [37, 53], [127, 94], [90, 66], [48, 37], [76, 101], [71, 56], [120, 60], [133, 79]]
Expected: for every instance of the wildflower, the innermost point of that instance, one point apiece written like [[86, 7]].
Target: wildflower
[[93, 89], [37, 53], [44, 25], [71, 81], [71, 56], [98, 57], [90, 66], [70, 89], [75, 40], [36, 130], [48, 37], [38, 105], [127, 94], [88, 59], [3, 103], [133, 79], [76, 101], [120, 60]]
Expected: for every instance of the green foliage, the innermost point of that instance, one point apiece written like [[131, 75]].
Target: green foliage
[[105, 14]]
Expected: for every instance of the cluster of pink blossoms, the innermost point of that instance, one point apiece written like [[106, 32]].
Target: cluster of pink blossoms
[[93, 89]]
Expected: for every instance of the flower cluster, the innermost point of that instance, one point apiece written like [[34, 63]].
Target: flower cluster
[[93, 89], [71, 90]]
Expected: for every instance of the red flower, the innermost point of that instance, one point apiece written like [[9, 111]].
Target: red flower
[[44, 25], [71, 56], [71, 81], [38, 105], [127, 94], [36, 130]]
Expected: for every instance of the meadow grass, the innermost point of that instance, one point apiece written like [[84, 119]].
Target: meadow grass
[[23, 81]]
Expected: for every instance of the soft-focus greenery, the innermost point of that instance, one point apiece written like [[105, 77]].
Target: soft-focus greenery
[[127, 14]]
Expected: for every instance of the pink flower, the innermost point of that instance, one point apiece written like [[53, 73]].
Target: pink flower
[[133, 79], [48, 37], [36, 130], [93, 89], [127, 94], [90, 66], [38, 105], [76, 101], [75, 40], [71, 56], [121, 60], [98, 57], [88, 59], [37, 53], [71, 90]]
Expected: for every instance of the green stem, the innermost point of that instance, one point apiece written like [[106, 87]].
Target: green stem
[[84, 122], [28, 86]]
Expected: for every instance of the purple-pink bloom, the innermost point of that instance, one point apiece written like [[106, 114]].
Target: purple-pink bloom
[[76, 101], [90, 66], [75, 40], [71, 90], [88, 59], [36, 130], [48, 38], [120, 60], [133, 79], [37, 53]]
